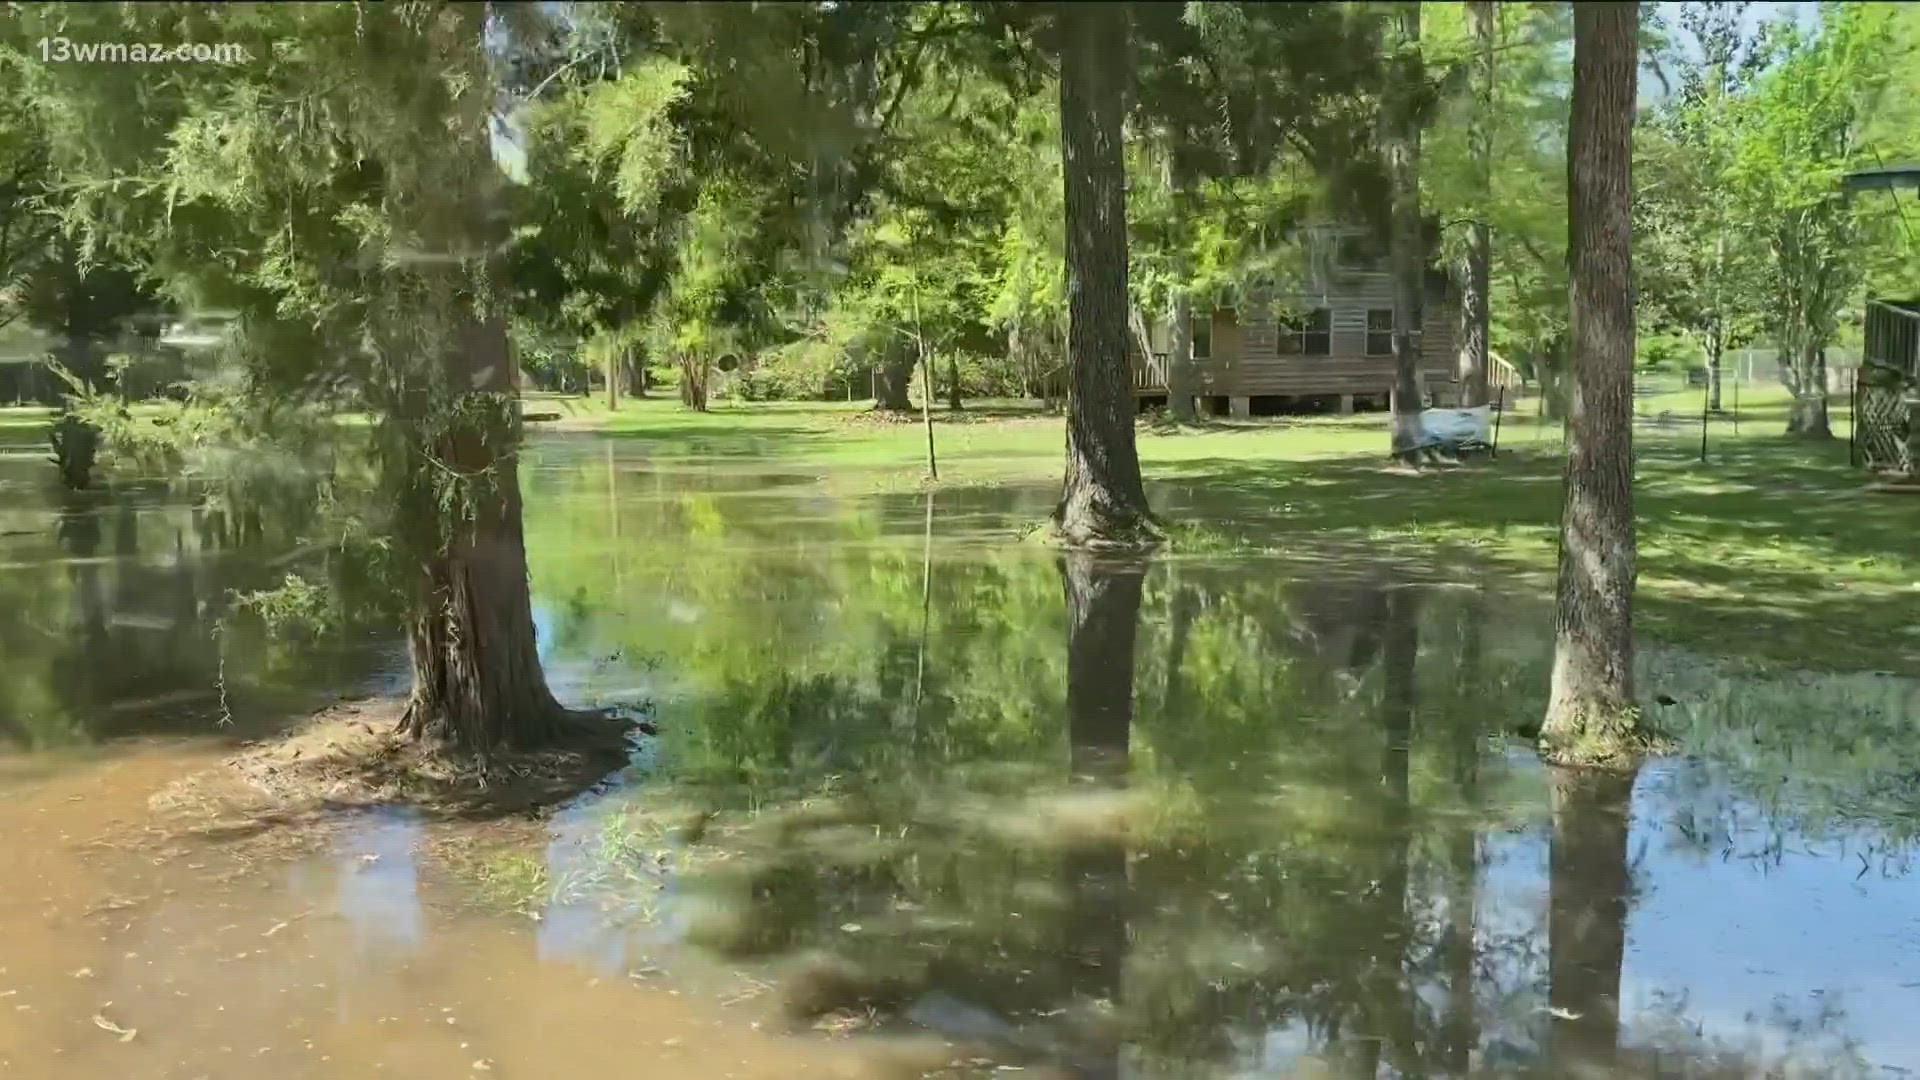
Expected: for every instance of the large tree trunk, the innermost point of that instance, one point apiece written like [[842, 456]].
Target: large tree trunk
[[893, 385], [612, 364], [1180, 357], [954, 402], [1179, 313], [1405, 248], [1589, 886], [477, 681], [1807, 416], [1102, 501], [1591, 715], [1476, 279]]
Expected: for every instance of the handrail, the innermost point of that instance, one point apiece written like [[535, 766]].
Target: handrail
[[1503, 373]]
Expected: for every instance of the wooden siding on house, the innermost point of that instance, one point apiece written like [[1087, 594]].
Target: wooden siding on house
[[1246, 360]]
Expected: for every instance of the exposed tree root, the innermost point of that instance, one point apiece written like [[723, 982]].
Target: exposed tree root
[[358, 755]]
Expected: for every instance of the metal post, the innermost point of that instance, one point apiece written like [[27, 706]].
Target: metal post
[[1500, 409]]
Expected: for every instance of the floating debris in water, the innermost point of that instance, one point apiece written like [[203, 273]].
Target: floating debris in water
[[104, 1024]]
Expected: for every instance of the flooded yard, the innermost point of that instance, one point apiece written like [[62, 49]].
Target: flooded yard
[[926, 799]]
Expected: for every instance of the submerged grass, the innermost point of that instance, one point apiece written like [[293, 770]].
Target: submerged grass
[[1771, 549]]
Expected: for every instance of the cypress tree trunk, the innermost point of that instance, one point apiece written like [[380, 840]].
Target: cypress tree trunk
[[1588, 889], [477, 681], [1103, 502], [1405, 249], [1591, 715], [1475, 282]]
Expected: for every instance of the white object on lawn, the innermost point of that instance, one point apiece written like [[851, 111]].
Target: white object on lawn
[[1456, 427]]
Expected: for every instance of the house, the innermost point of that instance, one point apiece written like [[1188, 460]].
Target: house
[[1887, 391], [1322, 340]]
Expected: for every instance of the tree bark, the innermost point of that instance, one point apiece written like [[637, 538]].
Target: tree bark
[[1476, 281], [1589, 892], [1103, 502], [693, 382], [1180, 357], [1807, 416], [1716, 348], [477, 680], [1591, 714], [1405, 248], [894, 385], [953, 382], [613, 379], [1179, 314]]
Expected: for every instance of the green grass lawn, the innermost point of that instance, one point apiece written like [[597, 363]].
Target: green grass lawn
[[23, 423], [1770, 550]]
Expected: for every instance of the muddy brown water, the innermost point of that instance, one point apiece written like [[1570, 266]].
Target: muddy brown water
[[916, 806]]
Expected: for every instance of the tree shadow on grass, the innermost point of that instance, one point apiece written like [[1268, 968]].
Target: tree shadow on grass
[[1764, 552]]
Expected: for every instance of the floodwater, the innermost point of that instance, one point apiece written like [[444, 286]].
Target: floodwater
[[926, 800]]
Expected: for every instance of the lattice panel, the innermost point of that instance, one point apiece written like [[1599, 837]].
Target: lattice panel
[[1880, 424]]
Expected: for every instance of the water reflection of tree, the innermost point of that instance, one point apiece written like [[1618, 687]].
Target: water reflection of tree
[[1590, 891], [118, 602], [1291, 853]]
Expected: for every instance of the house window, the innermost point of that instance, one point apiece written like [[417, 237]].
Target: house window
[[1202, 331], [1307, 334], [1380, 331], [1360, 253]]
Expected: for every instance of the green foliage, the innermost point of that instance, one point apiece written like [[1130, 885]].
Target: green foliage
[[1524, 204]]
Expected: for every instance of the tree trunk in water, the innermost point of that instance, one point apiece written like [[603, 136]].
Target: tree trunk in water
[[1588, 889], [894, 386], [1591, 715], [1409, 261], [1475, 281], [477, 681], [1386, 1006], [1186, 603], [1807, 417], [1103, 615], [1102, 502]]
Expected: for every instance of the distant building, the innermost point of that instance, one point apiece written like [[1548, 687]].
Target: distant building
[[1324, 339]]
